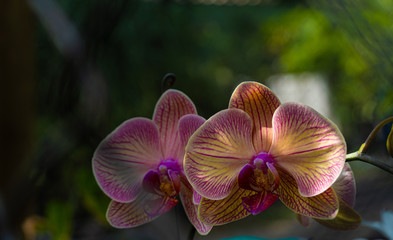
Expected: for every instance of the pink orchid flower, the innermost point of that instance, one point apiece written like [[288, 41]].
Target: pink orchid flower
[[243, 159], [140, 164], [347, 218]]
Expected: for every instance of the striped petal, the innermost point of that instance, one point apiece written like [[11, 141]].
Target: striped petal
[[346, 219], [308, 146], [133, 214], [196, 197], [191, 209], [229, 209], [217, 151], [324, 205], [259, 202], [345, 186], [188, 124], [125, 156], [260, 103], [169, 109]]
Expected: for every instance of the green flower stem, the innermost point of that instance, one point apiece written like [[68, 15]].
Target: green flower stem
[[371, 137], [369, 159]]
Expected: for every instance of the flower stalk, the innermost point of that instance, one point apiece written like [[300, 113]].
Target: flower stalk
[[369, 159], [361, 154]]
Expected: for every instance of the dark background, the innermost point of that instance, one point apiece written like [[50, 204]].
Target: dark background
[[71, 71]]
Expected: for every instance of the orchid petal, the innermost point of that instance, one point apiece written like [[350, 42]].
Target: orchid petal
[[217, 151], [188, 124], [124, 156], [345, 186], [169, 109], [229, 209], [126, 215], [259, 202], [260, 103], [196, 197], [346, 219], [308, 146], [324, 205], [191, 209]]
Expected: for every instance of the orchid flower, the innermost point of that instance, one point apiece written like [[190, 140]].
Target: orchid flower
[[346, 218], [243, 159], [140, 164]]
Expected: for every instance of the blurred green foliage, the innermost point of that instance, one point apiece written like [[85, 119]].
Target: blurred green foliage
[[130, 45]]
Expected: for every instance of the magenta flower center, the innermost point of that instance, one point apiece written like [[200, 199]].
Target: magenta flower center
[[260, 174], [165, 181]]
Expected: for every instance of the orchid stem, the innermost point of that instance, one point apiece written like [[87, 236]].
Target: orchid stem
[[369, 159], [373, 133]]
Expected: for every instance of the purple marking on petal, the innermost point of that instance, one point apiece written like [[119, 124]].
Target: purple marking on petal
[[259, 202]]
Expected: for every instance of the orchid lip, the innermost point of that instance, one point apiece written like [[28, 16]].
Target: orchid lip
[[260, 174], [164, 181]]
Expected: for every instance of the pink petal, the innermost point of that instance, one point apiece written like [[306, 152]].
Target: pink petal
[[217, 151], [260, 103], [324, 205], [169, 109], [126, 215], [196, 197], [229, 209], [259, 202], [188, 124], [191, 209], [124, 156], [308, 146], [345, 187]]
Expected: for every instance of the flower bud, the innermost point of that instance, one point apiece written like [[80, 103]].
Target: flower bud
[[389, 142]]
